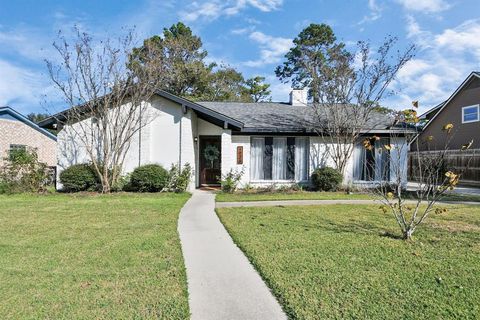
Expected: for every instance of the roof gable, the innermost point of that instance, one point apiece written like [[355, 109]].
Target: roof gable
[[9, 112], [443, 105], [206, 112]]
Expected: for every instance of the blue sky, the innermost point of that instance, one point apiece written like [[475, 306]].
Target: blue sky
[[250, 35]]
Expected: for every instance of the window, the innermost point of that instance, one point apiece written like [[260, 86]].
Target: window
[[16, 148], [279, 158], [470, 114], [372, 165]]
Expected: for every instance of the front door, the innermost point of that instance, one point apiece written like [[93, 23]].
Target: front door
[[210, 160]]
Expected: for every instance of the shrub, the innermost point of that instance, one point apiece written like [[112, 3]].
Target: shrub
[[178, 180], [22, 172], [79, 177], [326, 179], [123, 183], [148, 178], [229, 181], [248, 188]]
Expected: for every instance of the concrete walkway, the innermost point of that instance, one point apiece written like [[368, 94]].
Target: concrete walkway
[[222, 284], [320, 202]]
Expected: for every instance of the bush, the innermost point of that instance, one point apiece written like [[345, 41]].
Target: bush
[[22, 172], [230, 181], [326, 179], [178, 180], [148, 178], [79, 177]]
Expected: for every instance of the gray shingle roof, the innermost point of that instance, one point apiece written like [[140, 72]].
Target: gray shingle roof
[[279, 117]]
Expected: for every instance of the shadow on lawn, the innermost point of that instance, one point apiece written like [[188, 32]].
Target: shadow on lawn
[[352, 227]]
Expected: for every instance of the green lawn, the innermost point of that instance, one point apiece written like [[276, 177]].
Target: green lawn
[[312, 195], [339, 261], [91, 257], [297, 195]]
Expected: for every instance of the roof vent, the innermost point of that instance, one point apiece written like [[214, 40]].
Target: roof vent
[[298, 97]]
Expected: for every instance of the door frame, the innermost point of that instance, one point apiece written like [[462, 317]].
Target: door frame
[[201, 161]]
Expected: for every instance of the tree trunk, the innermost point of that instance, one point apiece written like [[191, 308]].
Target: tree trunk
[[407, 234], [105, 182]]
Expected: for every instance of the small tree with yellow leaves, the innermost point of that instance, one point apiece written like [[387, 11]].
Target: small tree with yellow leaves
[[434, 178]]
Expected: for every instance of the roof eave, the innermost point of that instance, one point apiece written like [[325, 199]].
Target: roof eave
[[27, 121], [61, 116]]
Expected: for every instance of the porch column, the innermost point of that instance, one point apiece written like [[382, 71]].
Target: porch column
[[226, 151], [187, 146]]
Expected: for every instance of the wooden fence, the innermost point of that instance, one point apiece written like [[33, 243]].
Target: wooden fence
[[456, 160]]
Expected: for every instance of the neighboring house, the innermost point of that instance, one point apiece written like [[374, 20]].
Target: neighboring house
[[18, 132], [462, 109], [270, 142]]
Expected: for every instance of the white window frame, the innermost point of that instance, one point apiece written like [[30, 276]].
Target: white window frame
[[468, 107]]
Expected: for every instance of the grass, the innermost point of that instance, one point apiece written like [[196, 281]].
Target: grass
[[340, 261], [315, 195], [91, 257], [293, 195]]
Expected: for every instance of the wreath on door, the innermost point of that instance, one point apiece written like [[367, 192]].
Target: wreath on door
[[211, 153]]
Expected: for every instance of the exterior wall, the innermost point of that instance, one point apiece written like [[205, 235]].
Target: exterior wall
[[227, 152], [318, 158], [164, 141], [452, 113], [399, 159], [188, 150], [241, 141], [208, 129], [14, 131], [171, 137], [167, 139]]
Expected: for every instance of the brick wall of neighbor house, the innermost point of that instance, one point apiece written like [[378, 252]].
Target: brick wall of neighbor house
[[17, 132]]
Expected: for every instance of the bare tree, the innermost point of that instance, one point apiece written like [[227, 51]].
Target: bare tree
[[107, 100], [345, 87], [349, 89], [433, 176]]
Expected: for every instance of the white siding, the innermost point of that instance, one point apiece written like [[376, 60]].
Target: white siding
[[241, 141], [399, 159], [170, 137], [188, 149], [208, 129], [159, 143], [164, 141]]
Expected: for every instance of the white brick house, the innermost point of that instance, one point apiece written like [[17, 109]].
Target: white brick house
[[17, 131], [270, 142]]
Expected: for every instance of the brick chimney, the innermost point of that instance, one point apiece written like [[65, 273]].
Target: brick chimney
[[298, 97]]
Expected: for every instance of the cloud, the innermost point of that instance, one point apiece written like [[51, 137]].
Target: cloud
[[375, 12], [425, 6], [243, 30], [28, 43], [461, 39], [213, 9], [447, 58], [22, 88], [272, 49]]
